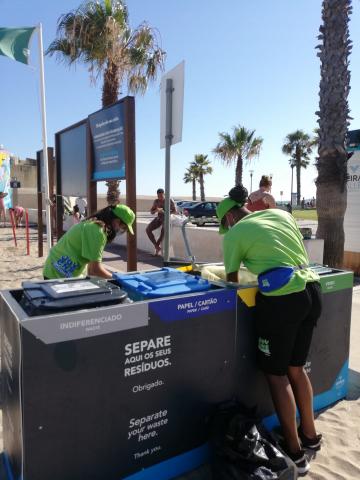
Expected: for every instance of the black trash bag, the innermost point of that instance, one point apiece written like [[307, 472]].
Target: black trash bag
[[243, 449]]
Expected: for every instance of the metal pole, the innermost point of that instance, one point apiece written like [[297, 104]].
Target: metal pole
[[168, 138], [251, 177], [44, 139], [292, 179]]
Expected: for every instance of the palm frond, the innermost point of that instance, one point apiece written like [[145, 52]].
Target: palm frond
[[98, 34]]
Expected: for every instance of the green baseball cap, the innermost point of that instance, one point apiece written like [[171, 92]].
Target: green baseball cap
[[126, 215], [222, 209]]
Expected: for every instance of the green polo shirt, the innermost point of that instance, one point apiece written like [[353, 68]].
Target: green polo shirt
[[82, 244], [268, 239]]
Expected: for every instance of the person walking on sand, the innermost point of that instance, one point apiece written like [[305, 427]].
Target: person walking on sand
[[261, 199], [158, 208], [287, 307]]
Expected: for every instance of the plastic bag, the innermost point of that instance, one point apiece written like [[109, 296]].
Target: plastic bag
[[217, 273], [177, 220], [243, 450]]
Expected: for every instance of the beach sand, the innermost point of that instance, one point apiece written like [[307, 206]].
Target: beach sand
[[15, 265], [339, 458]]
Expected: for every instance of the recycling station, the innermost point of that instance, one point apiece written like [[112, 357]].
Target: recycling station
[[118, 379]]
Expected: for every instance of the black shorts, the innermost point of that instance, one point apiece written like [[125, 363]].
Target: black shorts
[[284, 327]]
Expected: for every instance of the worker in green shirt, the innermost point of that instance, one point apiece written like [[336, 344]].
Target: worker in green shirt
[[288, 304], [84, 243]]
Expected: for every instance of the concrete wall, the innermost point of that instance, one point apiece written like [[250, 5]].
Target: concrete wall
[[26, 197], [205, 243], [26, 173]]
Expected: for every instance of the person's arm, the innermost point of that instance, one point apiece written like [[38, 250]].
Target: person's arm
[[95, 269], [154, 208], [232, 277], [270, 200], [233, 255]]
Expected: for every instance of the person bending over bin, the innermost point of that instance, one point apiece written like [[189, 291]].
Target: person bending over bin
[[288, 305], [158, 207], [84, 243], [18, 214]]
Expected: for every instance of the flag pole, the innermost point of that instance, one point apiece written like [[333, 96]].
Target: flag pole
[[44, 139]]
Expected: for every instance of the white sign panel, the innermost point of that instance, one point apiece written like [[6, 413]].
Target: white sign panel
[[177, 76], [351, 220]]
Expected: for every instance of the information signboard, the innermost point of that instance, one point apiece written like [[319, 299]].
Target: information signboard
[[107, 131]]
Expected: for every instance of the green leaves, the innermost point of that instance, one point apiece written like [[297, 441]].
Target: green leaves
[[99, 35], [238, 146]]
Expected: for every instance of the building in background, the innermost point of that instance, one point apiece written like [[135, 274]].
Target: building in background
[[5, 177], [351, 220]]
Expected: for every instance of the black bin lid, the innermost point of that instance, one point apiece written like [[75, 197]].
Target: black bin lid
[[63, 295]]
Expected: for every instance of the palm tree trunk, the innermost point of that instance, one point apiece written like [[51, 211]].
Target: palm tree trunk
[[292, 185], [110, 95], [194, 189], [331, 207], [239, 170], [331, 194], [298, 182], [202, 189], [111, 84]]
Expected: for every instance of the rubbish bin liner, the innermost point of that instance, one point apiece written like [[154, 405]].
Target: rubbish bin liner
[[217, 273], [243, 450]]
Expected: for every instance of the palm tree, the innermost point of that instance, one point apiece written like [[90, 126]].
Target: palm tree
[[299, 146], [202, 165], [98, 34], [331, 195], [191, 176], [241, 145]]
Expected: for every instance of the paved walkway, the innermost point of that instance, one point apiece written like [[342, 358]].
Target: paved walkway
[[115, 258]]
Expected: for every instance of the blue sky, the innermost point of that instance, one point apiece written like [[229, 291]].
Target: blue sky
[[246, 62]]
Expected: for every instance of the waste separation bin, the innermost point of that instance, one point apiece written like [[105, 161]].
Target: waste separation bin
[[328, 360], [116, 391]]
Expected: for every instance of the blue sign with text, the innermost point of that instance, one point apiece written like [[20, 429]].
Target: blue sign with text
[[107, 131]]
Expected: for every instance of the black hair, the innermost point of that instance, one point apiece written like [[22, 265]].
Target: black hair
[[76, 208], [160, 190], [104, 218], [239, 194]]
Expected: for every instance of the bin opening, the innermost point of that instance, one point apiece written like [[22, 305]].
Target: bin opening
[[40, 298]]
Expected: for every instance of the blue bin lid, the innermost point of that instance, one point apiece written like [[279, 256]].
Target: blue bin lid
[[161, 283]]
